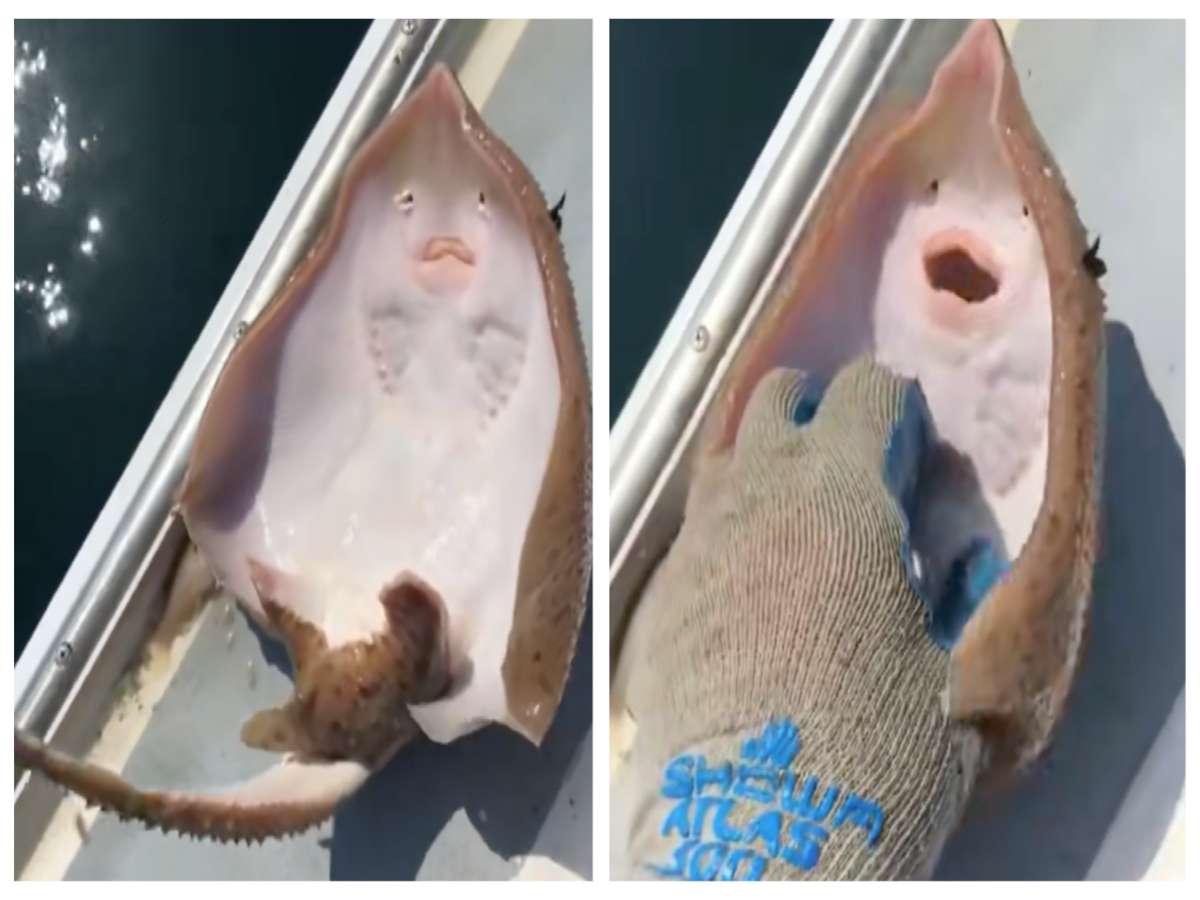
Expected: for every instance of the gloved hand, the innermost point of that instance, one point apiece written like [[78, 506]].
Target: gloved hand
[[788, 672]]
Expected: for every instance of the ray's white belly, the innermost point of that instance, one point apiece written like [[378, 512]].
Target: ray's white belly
[[406, 502], [434, 469]]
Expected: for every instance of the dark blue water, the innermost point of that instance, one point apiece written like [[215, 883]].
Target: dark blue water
[[691, 105], [162, 144]]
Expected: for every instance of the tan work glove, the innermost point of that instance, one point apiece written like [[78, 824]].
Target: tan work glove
[[788, 672]]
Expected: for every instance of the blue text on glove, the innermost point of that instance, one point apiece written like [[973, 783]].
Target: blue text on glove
[[788, 821]]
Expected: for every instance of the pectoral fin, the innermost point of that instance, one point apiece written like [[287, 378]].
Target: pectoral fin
[[1011, 672], [276, 730]]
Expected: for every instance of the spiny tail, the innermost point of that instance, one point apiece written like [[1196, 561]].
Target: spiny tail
[[288, 799]]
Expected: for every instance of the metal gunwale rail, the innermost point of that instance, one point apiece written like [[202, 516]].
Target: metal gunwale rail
[[92, 610]]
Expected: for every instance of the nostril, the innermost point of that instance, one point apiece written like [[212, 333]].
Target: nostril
[[955, 270]]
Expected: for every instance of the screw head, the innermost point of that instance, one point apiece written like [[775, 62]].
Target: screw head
[[62, 653], [409, 26], [700, 339], [241, 330]]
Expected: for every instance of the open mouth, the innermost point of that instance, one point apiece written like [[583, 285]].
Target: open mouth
[[956, 263]]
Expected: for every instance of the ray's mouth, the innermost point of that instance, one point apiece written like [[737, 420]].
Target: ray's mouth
[[956, 262], [440, 248]]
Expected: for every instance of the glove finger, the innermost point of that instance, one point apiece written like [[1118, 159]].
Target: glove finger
[[881, 421], [780, 400]]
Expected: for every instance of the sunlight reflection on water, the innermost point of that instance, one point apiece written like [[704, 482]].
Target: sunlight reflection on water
[[46, 158]]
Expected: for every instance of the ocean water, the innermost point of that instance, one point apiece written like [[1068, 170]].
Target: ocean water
[[691, 105], [148, 153]]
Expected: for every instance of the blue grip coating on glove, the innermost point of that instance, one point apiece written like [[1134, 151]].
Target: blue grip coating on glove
[[806, 407], [977, 569]]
